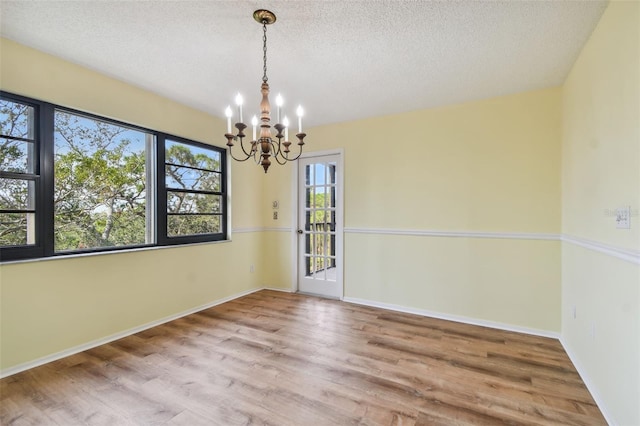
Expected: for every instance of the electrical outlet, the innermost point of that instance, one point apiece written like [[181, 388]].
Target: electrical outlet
[[275, 215], [592, 331], [623, 217], [252, 269], [275, 204]]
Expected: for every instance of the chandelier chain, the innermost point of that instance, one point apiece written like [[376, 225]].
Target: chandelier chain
[[264, 49]]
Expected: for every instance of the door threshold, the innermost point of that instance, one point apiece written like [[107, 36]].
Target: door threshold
[[323, 296]]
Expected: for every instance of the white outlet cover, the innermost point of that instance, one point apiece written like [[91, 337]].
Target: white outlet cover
[[623, 217]]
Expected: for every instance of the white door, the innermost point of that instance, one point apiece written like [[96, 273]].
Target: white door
[[320, 226]]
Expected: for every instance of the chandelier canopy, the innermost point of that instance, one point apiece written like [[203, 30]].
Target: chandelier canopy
[[263, 148]]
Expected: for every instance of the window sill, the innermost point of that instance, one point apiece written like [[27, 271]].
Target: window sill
[[110, 252]]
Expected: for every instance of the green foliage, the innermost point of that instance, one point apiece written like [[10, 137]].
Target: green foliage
[[100, 184], [320, 202], [200, 174], [14, 157], [100, 189]]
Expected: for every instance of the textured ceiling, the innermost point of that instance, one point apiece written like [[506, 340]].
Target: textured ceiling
[[342, 60]]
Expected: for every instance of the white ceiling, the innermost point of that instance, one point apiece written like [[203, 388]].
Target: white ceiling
[[342, 60]]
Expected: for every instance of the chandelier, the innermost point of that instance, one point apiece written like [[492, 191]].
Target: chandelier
[[263, 148]]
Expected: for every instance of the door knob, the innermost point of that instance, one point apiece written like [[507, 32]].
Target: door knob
[[299, 231]]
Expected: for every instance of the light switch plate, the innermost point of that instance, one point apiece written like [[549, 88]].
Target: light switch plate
[[623, 217]]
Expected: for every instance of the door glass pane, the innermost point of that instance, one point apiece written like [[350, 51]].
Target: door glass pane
[[331, 250], [321, 244], [321, 197], [307, 222], [308, 198], [309, 266], [309, 175], [327, 245], [319, 174], [320, 269]]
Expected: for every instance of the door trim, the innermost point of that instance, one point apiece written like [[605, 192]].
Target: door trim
[[339, 216]]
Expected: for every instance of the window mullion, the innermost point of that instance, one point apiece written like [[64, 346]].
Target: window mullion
[[45, 191], [151, 193], [161, 191]]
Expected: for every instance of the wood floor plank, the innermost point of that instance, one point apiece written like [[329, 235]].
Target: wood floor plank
[[276, 358]]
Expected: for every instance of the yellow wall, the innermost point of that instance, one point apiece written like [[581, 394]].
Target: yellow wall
[[488, 166], [56, 304], [483, 166], [53, 305], [600, 172]]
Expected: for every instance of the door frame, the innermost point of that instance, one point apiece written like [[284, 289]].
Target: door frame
[[339, 217]]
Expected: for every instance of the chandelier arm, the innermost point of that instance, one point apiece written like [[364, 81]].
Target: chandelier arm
[[296, 157], [239, 159], [276, 153], [300, 137], [276, 144], [251, 152], [257, 158], [278, 157]]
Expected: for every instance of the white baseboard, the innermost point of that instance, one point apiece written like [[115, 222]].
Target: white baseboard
[[588, 383], [456, 318], [94, 343], [284, 290]]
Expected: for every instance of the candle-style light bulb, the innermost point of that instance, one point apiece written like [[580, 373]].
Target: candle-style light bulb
[[285, 123], [254, 121], [279, 103], [229, 114], [239, 101], [300, 113]]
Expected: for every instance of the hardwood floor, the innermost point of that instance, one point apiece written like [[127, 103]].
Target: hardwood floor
[[286, 359]]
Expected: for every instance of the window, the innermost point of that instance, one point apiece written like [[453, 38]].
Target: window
[[100, 188], [193, 185], [18, 174], [101, 178]]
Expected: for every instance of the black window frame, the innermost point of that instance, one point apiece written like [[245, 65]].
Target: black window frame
[[162, 190], [45, 180]]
